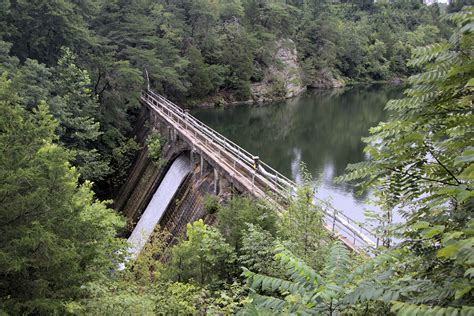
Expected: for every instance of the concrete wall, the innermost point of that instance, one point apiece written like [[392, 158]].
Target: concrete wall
[[145, 177]]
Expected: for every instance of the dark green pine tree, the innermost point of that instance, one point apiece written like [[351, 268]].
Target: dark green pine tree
[[76, 109], [38, 29], [55, 237]]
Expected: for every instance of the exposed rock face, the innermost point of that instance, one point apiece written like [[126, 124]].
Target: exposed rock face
[[284, 79], [326, 79]]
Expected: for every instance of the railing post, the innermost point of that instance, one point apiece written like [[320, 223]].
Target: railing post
[[202, 166], [333, 220], [256, 162], [186, 114]]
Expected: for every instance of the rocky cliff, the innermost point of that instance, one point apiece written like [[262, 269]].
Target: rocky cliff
[[284, 78]]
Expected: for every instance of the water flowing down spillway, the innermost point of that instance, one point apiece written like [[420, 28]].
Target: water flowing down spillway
[[173, 179]]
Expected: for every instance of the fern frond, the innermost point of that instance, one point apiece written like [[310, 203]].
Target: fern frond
[[267, 283], [358, 171], [462, 17], [338, 263], [269, 302], [422, 55], [429, 76], [401, 308], [420, 90], [298, 269]]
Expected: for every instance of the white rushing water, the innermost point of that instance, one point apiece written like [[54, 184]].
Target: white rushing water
[[173, 179]]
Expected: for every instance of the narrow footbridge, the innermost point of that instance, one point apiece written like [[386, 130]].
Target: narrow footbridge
[[246, 172]]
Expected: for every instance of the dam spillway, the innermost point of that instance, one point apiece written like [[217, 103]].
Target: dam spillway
[[158, 204]]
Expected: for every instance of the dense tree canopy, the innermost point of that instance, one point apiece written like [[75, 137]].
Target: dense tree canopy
[[55, 237], [193, 50], [70, 76]]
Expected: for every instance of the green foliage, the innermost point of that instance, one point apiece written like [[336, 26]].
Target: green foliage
[[204, 78], [85, 59], [55, 236], [277, 88], [73, 106], [146, 268], [227, 300], [203, 257], [33, 81], [234, 217], [256, 252], [302, 225], [66, 88], [365, 45], [211, 203], [39, 30], [422, 310], [231, 9], [7, 63], [306, 291], [121, 160], [121, 295], [237, 55], [155, 144], [143, 288], [421, 164]]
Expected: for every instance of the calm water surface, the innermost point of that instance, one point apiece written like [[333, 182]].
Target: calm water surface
[[323, 129]]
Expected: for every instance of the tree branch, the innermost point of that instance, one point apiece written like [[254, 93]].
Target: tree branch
[[418, 177], [98, 81], [442, 165]]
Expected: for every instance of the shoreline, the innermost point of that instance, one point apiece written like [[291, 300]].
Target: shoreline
[[221, 103]]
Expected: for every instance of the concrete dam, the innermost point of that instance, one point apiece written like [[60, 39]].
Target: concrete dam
[[198, 161]]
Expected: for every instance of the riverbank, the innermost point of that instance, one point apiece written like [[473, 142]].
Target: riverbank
[[227, 99]]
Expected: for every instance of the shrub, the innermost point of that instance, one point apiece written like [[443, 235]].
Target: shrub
[[211, 204], [155, 143]]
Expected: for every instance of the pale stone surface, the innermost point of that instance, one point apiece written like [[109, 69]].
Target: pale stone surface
[[284, 79]]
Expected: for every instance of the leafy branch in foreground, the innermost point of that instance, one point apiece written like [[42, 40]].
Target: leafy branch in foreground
[[421, 164], [305, 291]]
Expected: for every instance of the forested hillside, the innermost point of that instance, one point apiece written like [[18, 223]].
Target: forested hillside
[[86, 59], [193, 49], [70, 75]]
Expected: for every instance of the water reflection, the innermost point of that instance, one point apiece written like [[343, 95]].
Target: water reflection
[[321, 128]]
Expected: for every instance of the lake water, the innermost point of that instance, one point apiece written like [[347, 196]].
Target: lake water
[[322, 128]]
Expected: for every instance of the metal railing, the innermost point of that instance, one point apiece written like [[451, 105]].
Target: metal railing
[[260, 173]]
